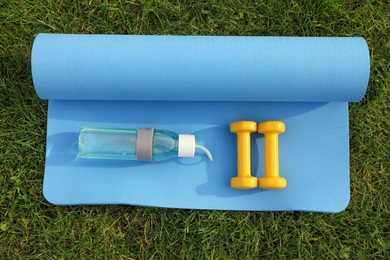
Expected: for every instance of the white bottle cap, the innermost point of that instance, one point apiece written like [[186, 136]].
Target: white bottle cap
[[186, 146]]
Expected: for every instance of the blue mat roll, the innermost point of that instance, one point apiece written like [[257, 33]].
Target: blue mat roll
[[200, 68], [165, 82]]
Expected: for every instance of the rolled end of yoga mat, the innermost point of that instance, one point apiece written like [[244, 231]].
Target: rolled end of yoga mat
[[200, 68]]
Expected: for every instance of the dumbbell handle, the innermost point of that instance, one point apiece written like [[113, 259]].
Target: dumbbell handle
[[271, 155], [243, 154]]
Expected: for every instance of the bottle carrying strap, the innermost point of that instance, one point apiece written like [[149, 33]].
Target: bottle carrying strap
[[144, 144]]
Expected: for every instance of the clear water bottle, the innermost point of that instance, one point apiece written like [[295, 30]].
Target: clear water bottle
[[144, 144]]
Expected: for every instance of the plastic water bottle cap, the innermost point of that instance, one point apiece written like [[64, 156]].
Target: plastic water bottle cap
[[186, 146]]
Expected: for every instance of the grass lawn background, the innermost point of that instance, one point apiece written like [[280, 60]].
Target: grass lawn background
[[32, 228]]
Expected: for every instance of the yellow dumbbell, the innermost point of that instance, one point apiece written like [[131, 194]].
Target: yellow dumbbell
[[271, 130], [244, 180]]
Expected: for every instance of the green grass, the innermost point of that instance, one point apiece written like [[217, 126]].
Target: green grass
[[32, 228]]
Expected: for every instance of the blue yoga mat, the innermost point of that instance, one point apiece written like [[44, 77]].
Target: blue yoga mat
[[199, 85]]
